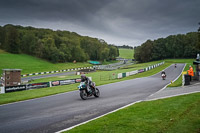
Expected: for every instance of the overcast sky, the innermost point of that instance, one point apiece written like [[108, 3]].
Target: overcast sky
[[129, 22]]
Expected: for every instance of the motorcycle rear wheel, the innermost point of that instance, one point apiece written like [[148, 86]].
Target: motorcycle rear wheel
[[83, 94]]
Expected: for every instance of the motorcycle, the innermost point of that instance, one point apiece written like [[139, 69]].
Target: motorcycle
[[175, 65], [84, 94], [163, 76]]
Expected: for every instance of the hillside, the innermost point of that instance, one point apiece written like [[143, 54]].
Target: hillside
[[126, 53], [171, 47], [30, 64], [54, 46]]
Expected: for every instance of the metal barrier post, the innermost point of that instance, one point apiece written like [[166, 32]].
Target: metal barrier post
[[2, 90]]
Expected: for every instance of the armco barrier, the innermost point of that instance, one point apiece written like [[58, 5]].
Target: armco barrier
[[55, 83], [67, 82], [127, 74], [39, 85], [133, 72], [121, 75], [140, 70], [15, 88], [65, 70]]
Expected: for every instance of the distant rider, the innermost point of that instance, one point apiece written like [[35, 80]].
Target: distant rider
[[87, 81], [163, 72]]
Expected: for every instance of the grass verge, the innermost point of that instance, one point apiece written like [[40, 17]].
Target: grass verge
[[126, 53], [35, 93], [30, 64], [177, 114]]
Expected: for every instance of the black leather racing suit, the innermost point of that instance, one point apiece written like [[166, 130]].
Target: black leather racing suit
[[88, 83]]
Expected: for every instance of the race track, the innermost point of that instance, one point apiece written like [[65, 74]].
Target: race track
[[54, 113]]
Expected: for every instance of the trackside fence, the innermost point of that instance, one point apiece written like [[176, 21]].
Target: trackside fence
[[39, 85], [126, 74], [65, 70]]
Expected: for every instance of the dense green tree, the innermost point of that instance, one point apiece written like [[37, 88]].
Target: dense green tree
[[2, 37], [54, 46], [28, 43], [12, 39], [173, 46], [113, 52], [137, 52], [146, 51]]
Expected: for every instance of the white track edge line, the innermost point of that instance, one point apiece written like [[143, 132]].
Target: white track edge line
[[173, 95], [67, 129]]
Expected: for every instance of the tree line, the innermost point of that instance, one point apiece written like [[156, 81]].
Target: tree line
[[54, 46], [173, 46], [125, 46]]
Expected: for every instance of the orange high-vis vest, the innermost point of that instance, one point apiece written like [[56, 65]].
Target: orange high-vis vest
[[190, 72]]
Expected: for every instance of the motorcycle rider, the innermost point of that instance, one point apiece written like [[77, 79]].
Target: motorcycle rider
[[87, 81], [163, 73], [175, 65]]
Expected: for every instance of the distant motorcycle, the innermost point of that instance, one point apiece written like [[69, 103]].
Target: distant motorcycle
[[175, 65], [84, 94], [163, 76]]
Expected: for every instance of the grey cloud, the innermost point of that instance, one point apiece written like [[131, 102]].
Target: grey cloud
[[116, 21]]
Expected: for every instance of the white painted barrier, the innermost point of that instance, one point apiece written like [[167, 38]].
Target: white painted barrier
[[119, 75], [133, 72], [127, 74], [2, 90], [78, 73]]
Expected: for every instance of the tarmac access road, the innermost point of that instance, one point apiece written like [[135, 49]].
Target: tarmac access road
[[57, 112]]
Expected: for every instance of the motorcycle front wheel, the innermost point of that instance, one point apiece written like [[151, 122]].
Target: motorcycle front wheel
[[97, 92], [83, 94]]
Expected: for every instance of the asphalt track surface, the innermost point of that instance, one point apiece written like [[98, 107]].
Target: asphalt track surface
[[57, 112]]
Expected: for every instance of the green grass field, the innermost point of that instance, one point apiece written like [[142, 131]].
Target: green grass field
[[172, 115], [30, 64], [126, 53]]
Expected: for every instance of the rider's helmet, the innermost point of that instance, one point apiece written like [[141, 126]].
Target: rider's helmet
[[83, 77]]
